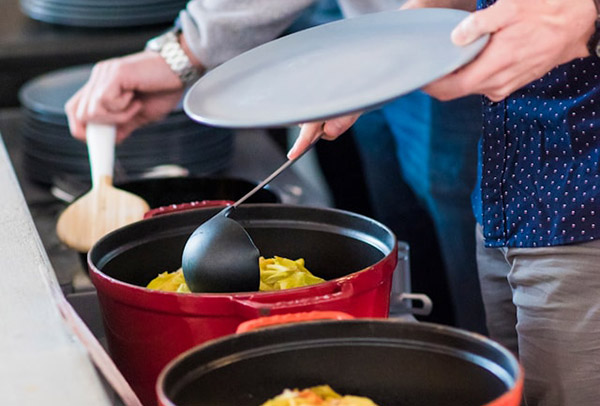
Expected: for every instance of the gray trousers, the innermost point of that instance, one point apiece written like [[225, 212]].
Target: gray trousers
[[544, 305]]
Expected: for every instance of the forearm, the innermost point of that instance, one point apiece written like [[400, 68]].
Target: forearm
[[217, 31]]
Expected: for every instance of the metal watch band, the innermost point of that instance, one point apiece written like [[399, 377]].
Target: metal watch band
[[167, 45]]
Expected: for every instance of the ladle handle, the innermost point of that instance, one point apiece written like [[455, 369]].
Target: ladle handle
[[101, 150], [272, 176]]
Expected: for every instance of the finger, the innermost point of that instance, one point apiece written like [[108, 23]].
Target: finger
[[87, 90], [479, 23], [119, 102], [335, 127], [308, 134], [124, 116], [76, 126], [101, 93], [80, 113], [476, 77]]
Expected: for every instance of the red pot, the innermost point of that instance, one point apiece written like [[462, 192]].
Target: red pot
[[145, 329], [391, 362]]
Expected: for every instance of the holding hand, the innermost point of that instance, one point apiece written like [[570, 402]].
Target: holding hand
[[328, 130], [529, 38], [129, 91]]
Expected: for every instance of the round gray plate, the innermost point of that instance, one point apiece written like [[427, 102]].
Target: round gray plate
[[330, 70]]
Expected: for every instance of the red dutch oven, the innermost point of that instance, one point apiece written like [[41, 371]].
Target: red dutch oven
[[391, 362], [146, 329]]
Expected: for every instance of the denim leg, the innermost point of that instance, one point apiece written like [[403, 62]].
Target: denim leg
[[437, 150]]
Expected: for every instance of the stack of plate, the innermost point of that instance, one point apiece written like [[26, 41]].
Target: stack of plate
[[103, 13], [50, 153]]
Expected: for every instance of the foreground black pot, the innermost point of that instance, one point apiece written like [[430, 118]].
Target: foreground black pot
[[392, 362]]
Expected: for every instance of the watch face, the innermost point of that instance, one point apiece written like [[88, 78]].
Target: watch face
[[157, 43]]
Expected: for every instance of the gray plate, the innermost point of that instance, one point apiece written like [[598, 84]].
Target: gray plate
[[89, 19], [333, 69], [110, 3]]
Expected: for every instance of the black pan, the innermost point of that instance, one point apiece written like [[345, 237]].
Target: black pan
[[166, 191]]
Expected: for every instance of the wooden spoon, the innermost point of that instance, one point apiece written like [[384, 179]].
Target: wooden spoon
[[104, 208]]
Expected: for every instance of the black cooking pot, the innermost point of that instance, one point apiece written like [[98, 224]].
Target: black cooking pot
[[394, 363], [166, 191]]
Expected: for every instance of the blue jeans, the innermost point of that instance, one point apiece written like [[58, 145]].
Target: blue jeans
[[435, 146]]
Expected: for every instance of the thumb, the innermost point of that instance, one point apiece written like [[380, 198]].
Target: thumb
[[308, 134], [482, 22]]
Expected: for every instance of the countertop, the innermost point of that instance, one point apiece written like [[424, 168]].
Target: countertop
[[41, 358]]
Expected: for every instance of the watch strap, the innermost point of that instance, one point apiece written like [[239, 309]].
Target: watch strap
[[171, 51]]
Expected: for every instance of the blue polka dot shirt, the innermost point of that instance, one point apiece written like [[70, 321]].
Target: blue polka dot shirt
[[539, 155]]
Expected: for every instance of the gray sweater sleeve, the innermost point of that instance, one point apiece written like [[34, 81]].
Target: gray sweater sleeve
[[218, 30]]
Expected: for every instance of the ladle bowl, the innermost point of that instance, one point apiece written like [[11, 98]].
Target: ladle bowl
[[220, 256]]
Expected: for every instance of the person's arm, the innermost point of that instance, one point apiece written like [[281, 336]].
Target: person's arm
[[137, 89], [528, 39], [216, 31]]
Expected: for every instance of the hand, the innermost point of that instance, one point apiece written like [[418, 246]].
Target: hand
[[328, 130], [529, 38], [129, 92]]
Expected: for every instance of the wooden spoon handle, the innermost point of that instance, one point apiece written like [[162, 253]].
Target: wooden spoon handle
[[101, 150]]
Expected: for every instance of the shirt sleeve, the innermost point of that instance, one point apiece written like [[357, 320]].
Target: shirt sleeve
[[218, 30]]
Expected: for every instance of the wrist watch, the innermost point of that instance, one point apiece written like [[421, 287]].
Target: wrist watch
[[168, 47], [593, 44]]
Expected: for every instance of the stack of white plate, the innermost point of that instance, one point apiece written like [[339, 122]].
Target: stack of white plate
[[50, 152], [103, 13]]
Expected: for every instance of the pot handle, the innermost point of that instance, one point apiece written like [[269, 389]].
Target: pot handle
[[176, 208], [423, 310], [262, 322], [340, 292]]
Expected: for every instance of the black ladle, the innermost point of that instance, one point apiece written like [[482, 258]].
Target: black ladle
[[220, 256]]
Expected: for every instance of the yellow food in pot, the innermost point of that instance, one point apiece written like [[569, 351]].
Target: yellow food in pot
[[170, 282], [317, 396], [276, 273]]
